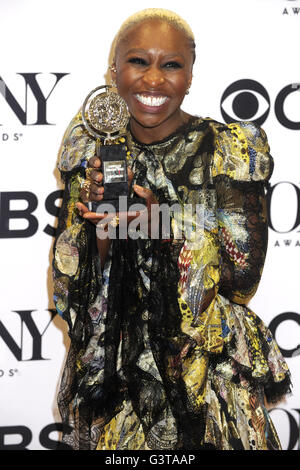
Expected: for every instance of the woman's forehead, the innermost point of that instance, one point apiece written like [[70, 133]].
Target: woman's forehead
[[151, 33]]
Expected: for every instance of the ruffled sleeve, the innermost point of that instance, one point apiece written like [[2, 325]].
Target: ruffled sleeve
[[242, 153], [76, 270], [242, 166], [77, 145]]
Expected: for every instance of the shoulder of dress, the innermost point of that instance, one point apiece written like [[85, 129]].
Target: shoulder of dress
[[77, 145], [241, 152]]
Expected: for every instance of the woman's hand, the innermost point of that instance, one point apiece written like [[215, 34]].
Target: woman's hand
[[103, 219], [94, 177], [149, 219], [96, 191]]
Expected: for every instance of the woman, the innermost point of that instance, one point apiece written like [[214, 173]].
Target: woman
[[164, 352]]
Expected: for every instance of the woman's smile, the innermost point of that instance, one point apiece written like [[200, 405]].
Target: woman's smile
[[151, 102]]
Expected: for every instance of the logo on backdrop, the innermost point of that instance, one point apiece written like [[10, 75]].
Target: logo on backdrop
[[31, 202], [279, 322], [286, 195], [283, 193], [292, 9], [34, 112], [293, 417], [248, 100], [26, 343], [23, 436]]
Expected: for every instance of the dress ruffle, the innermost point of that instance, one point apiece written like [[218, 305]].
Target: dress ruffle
[[242, 153]]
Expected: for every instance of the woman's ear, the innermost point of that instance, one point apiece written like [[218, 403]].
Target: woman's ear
[[113, 71], [189, 85]]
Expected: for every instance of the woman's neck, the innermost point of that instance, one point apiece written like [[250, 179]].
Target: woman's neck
[[147, 135]]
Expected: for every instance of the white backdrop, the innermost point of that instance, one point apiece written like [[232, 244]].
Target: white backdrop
[[53, 52]]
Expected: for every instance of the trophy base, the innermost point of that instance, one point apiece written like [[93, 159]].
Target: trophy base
[[122, 204]]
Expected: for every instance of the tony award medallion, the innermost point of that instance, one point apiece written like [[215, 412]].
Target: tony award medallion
[[105, 116]]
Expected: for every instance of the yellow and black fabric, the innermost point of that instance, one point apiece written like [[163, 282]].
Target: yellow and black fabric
[[165, 353]]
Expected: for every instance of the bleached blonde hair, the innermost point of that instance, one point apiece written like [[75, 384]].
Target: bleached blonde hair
[[160, 14]]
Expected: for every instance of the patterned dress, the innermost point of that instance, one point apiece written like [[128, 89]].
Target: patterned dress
[[165, 353]]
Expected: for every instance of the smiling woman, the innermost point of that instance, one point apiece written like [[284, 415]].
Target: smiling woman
[[165, 354], [153, 70]]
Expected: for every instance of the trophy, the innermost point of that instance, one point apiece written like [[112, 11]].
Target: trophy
[[105, 116]]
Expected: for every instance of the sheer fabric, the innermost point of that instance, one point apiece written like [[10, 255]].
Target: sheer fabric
[[165, 353]]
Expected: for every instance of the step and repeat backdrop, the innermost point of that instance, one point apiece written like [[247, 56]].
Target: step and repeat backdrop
[[52, 54]]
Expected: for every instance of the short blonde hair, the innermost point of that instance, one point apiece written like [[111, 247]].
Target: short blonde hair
[[160, 14]]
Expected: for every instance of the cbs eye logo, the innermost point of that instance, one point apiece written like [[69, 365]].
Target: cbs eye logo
[[248, 100]]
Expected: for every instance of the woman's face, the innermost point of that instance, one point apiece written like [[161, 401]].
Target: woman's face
[[154, 69]]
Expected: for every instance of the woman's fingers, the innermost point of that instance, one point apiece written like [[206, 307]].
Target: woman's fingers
[[93, 190], [89, 215], [129, 175], [95, 175], [96, 192], [93, 193], [148, 216], [94, 162], [81, 208], [145, 193], [86, 213], [122, 216]]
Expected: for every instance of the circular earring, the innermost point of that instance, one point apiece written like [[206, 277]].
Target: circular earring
[[113, 84], [112, 68]]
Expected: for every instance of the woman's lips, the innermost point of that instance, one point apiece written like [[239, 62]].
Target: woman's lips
[[151, 102]]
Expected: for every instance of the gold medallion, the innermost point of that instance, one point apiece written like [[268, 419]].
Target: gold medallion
[[105, 115]]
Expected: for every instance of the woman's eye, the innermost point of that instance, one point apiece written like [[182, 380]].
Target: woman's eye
[[137, 61], [173, 65]]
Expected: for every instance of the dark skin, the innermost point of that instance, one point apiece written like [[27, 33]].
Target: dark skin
[[153, 65], [154, 59]]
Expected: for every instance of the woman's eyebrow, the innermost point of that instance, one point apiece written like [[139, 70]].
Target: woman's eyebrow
[[145, 51], [136, 51]]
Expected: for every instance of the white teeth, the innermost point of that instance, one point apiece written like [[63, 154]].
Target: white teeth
[[152, 100]]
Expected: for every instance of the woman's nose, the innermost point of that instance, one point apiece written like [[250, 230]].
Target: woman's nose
[[153, 77]]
